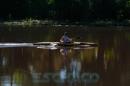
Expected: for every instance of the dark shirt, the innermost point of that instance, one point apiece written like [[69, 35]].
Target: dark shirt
[[65, 39]]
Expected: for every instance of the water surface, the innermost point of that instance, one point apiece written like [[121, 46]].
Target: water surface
[[108, 64]]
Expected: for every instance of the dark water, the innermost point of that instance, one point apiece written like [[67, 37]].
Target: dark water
[[108, 64]]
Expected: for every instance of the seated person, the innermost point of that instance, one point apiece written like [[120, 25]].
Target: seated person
[[65, 38]]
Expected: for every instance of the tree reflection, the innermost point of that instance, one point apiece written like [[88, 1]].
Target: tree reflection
[[74, 67]]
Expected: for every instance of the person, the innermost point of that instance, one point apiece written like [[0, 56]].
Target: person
[[65, 38]]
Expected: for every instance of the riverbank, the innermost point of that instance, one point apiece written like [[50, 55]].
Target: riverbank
[[35, 22]]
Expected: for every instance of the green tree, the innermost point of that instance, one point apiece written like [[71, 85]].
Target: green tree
[[127, 10]]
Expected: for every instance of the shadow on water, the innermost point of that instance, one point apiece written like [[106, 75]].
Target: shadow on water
[[104, 65]]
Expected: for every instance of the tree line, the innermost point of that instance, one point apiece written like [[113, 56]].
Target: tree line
[[76, 10]]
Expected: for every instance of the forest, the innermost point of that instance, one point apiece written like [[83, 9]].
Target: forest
[[73, 10]]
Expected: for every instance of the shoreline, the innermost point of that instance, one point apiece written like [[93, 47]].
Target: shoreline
[[35, 22]]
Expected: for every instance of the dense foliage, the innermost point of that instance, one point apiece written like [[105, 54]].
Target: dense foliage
[[80, 10]]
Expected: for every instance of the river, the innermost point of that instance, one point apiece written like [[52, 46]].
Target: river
[[107, 64]]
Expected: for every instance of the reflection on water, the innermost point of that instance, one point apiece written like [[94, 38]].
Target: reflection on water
[[27, 66], [108, 64]]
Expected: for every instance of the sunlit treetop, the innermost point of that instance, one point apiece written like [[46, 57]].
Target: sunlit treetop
[[50, 1], [128, 3]]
